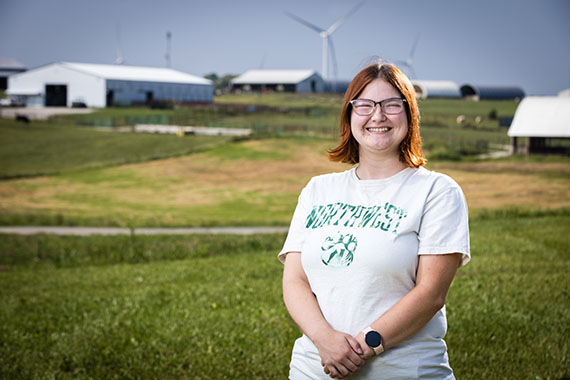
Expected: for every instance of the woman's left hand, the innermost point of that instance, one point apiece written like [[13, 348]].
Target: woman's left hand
[[367, 351]]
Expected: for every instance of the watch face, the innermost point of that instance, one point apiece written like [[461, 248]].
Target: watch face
[[373, 338]]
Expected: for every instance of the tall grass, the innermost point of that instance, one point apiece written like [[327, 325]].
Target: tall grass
[[203, 307]]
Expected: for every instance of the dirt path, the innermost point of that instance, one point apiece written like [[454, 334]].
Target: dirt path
[[87, 231]]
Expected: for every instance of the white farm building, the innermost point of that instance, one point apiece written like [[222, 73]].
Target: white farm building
[[436, 89], [301, 81], [66, 84], [545, 122]]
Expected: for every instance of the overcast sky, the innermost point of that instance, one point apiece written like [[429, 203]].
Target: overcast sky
[[499, 42]]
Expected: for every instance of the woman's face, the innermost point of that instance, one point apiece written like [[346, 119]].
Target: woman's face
[[378, 133]]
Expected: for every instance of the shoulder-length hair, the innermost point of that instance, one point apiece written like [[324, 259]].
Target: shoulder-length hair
[[411, 147]]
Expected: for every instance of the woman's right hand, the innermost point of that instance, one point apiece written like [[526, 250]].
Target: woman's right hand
[[340, 354]]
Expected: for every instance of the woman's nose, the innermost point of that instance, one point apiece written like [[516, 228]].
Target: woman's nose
[[378, 114]]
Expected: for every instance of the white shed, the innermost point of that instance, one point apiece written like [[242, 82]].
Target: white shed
[[545, 121], [436, 89], [302, 81], [93, 85]]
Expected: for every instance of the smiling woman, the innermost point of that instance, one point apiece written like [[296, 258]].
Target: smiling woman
[[371, 252]]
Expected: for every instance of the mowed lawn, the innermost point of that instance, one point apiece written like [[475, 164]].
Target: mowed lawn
[[210, 307], [253, 182]]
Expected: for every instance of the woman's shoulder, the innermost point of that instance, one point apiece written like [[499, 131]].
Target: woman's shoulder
[[331, 179], [437, 180]]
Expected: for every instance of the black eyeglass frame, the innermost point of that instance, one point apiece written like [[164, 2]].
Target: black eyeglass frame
[[380, 103]]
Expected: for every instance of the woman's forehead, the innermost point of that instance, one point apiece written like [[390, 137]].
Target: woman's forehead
[[379, 88]]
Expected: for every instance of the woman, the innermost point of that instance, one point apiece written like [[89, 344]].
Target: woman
[[371, 252]]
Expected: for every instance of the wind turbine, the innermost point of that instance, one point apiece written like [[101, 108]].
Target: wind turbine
[[325, 35], [408, 63], [167, 55], [119, 59]]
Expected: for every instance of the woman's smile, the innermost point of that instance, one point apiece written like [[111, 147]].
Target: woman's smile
[[378, 129]]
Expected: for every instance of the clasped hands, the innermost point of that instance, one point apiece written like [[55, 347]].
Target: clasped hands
[[342, 354]]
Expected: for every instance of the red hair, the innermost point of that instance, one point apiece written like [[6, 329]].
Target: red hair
[[411, 147]]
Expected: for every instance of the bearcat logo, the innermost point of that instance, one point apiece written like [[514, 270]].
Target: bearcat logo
[[338, 250]]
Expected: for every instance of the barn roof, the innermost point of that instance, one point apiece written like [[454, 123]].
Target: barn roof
[[436, 89], [547, 116], [273, 76], [137, 73], [131, 73], [11, 64]]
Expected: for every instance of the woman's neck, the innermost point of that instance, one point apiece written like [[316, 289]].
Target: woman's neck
[[371, 168]]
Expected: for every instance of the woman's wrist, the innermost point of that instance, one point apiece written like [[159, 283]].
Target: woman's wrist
[[321, 334]]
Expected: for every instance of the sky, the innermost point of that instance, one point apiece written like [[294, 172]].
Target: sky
[[523, 43]]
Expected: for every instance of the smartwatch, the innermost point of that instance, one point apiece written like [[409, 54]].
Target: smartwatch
[[373, 339]]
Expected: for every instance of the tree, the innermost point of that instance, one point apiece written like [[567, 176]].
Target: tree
[[220, 83]]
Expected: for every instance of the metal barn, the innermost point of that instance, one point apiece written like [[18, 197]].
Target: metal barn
[[436, 89], [477, 92], [300, 81], [67, 84], [9, 67]]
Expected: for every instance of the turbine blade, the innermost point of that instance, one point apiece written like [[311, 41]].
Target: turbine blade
[[333, 56], [414, 46], [304, 22], [412, 72], [401, 64], [341, 21]]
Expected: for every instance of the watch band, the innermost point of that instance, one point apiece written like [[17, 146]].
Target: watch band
[[380, 348]]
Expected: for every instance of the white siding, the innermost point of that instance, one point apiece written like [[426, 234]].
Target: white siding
[[436, 89], [80, 87]]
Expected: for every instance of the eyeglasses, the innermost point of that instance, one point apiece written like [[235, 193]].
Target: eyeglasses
[[390, 106]]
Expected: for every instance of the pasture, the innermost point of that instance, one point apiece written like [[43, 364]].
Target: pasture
[[209, 306]]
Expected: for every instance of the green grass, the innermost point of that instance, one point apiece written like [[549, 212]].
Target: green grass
[[209, 307], [44, 148]]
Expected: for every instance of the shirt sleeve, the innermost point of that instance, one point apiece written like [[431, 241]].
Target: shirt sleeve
[[296, 235], [444, 227]]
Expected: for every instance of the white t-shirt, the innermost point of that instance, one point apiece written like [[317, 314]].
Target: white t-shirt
[[360, 242]]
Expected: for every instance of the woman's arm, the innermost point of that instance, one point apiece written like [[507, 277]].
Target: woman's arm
[[340, 352], [407, 317]]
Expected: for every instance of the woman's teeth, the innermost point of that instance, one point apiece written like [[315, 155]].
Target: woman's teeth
[[378, 129]]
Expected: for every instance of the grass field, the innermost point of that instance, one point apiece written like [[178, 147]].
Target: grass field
[[253, 182], [209, 307], [46, 148]]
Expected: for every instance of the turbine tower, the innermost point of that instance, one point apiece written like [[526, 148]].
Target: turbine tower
[[119, 60], [167, 55], [325, 35]]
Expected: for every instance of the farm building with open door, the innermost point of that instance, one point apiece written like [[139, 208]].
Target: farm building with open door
[[300, 81], [545, 122], [66, 84]]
